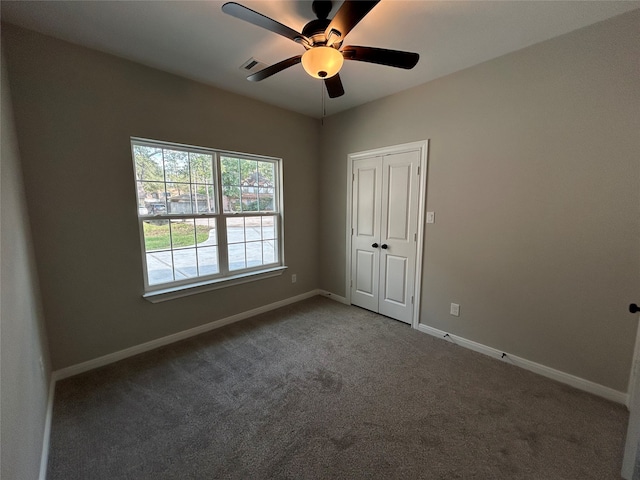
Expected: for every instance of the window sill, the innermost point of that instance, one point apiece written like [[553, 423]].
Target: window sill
[[200, 287]]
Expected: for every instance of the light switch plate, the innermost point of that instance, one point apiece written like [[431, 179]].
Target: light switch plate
[[431, 217], [455, 310]]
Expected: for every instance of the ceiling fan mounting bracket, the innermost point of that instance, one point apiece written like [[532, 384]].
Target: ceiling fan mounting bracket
[[321, 8]]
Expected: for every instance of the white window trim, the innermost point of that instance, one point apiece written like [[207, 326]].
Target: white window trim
[[164, 292], [170, 293]]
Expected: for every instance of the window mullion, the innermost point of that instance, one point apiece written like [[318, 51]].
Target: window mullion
[[223, 249], [217, 181], [164, 181], [223, 246]]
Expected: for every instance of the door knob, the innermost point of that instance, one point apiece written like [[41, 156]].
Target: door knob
[[384, 246], [633, 308], [375, 245]]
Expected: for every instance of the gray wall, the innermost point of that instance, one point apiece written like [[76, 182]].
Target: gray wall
[[534, 170], [75, 111], [24, 380], [533, 175]]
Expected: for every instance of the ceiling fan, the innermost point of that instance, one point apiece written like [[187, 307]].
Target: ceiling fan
[[322, 39]]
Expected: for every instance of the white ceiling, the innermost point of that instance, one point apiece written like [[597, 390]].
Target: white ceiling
[[196, 40]]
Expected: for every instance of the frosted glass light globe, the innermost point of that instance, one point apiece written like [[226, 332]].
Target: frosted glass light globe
[[322, 62]]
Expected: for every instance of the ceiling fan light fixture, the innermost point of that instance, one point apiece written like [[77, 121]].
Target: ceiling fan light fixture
[[322, 62]]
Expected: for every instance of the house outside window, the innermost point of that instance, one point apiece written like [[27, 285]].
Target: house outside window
[[206, 217]]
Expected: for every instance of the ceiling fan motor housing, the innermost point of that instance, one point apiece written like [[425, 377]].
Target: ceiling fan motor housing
[[314, 30]]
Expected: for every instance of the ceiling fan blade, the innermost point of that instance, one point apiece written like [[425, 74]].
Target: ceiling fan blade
[[243, 13], [334, 86], [275, 68], [347, 17], [382, 56]]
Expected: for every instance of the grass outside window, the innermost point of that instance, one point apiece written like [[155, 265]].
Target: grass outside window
[[158, 236]]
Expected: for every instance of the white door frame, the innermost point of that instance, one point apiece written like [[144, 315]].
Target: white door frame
[[633, 403], [423, 148]]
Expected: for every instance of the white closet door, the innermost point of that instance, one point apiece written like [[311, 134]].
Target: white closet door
[[398, 230], [384, 227], [365, 251]]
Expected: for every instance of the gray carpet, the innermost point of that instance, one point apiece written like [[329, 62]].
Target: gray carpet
[[320, 390]]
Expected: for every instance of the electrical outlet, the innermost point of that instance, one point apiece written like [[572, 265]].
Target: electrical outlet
[[294, 278], [455, 310]]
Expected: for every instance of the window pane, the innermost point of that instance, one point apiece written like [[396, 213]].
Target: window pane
[[269, 252], [142, 195], [252, 228], [254, 254], [268, 228], [156, 235], [179, 198], [184, 263], [152, 198], [230, 169], [249, 173], [265, 200], [204, 198], [266, 174], [183, 233], [176, 166], [206, 239], [249, 199], [176, 189], [231, 199], [206, 232], [159, 267], [208, 260], [201, 168], [235, 230], [149, 165], [237, 260]]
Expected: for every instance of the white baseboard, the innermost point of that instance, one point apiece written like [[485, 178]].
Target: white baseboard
[[566, 378], [46, 437], [160, 342], [333, 296]]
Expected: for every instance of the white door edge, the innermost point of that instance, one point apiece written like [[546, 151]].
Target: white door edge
[[633, 404], [423, 148]]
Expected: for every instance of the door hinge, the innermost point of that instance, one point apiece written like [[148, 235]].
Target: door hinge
[[415, 237], [411, 299], [418, 169], [351, 284], [352, 232], [353, 177]]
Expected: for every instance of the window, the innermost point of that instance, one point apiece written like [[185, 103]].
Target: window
[[207, 217]]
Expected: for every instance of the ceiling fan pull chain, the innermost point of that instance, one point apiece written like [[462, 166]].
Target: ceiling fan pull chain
[[324, 109]]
